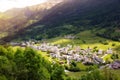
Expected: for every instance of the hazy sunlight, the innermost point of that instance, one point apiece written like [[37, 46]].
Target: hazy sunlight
[[8, 4]]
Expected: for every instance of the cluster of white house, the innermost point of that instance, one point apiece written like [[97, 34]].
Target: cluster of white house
[[70, 53]]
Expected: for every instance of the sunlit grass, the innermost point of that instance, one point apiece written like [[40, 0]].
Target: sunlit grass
[[87, 44], [86, 39], [4, 16], [107, 57], [99, 45], [61, 41], [3, 34]]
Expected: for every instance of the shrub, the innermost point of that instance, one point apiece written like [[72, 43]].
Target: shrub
[[113, 44], [105, 43], [83, 41], [73, 67], [100, 41], [115, 56]]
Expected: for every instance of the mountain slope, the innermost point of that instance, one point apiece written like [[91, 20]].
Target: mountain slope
[[72, 17], [16, 19]]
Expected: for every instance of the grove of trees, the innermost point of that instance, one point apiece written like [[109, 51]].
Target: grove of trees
[[27, 64]]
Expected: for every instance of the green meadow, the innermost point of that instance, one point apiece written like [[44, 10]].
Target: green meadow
[[86, 39]]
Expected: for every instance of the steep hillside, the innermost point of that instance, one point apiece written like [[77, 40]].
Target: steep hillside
[[72, 17], [16, 19]]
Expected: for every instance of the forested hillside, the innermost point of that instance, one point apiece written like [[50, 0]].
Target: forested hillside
[[72, 17], [16, 19]]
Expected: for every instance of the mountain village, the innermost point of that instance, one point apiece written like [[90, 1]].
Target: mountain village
[[69, 53]]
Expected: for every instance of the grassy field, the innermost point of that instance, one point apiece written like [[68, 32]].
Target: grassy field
[[76, 74], [117, 73], [86, 39], [107, 57]]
